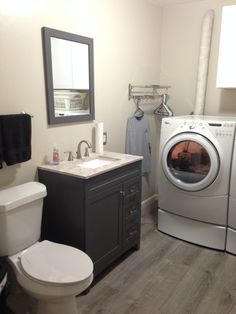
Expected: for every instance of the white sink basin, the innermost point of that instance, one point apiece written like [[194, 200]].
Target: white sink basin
[[97, 162]]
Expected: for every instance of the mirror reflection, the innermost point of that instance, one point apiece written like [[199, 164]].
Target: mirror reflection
[[69, 76]]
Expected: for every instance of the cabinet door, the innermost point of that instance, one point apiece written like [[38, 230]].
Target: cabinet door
[[104, 225], [70, 64], [61, 63], [226, 76]]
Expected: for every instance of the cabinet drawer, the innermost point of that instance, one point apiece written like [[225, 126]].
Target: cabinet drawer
[[113, 177], [131, 199], [132, 212], [132, 188], [131, 233], [132, 192]]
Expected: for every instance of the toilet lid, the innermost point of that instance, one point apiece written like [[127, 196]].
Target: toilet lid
[[56, 263]]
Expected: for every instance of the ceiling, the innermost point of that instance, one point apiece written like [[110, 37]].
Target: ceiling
[[171, 2]]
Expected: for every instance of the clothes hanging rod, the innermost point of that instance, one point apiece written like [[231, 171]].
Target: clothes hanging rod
[[150, 86]]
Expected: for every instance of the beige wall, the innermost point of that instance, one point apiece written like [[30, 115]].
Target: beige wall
[[181, 32], [126, 37]]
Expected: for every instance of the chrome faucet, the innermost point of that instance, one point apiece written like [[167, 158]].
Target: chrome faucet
[[86, 154]]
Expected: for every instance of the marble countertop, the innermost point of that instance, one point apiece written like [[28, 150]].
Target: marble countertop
[[78, 168]]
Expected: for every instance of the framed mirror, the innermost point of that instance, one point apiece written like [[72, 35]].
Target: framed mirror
[[69, 76]]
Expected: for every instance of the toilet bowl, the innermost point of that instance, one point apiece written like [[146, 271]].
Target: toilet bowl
[[52, 273]]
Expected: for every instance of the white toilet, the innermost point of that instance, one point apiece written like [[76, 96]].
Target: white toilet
[[50, 272]]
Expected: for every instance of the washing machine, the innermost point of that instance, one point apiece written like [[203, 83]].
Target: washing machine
[[194, 178], [231, 228]]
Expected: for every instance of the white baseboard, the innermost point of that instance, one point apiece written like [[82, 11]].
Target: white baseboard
[[149, 203]]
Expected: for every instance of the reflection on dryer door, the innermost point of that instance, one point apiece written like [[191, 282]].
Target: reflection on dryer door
[[190, 161]]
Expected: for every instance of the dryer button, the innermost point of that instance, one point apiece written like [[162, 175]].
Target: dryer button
[[192, 126]]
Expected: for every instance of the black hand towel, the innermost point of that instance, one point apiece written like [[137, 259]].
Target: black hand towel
[[16, 138], [1, 148]]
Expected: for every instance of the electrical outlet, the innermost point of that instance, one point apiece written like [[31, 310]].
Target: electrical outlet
[[104, 138]]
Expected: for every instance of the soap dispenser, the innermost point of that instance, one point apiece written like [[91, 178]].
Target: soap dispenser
[[55, 155]]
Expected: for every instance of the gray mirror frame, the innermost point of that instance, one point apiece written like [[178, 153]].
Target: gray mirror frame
[[47, 33]]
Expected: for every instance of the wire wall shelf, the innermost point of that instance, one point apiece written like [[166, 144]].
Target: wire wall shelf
[[147, 92]]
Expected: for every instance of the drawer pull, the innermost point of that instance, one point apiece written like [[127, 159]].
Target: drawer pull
[[132, 211], [133, 189], [132, 233]]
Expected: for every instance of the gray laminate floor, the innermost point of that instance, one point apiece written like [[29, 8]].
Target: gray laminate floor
[[165, 276]]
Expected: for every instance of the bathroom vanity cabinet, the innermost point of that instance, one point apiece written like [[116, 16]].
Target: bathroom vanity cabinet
[[99, 215]]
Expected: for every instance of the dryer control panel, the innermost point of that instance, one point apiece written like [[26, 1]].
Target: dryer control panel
[[217, 128], [222, 129]]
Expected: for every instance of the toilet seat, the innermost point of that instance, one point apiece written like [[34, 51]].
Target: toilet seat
[[55, 264]]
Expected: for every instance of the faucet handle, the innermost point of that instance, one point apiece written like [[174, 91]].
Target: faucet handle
[[70, 156]]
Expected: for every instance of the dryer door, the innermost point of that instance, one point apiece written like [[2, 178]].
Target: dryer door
[[190, 161]]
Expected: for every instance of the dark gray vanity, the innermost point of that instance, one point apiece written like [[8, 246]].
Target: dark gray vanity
[[99, 214]]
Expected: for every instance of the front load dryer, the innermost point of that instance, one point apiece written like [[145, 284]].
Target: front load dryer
[[193, 178]]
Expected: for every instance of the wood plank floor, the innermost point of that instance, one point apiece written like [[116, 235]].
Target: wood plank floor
[[166, 276]]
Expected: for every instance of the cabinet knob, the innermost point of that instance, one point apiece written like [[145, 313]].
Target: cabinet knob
[[132, 211], [122, 193], [132, 233]]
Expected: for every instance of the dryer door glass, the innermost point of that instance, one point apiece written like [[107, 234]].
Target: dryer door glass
[[190, 161]]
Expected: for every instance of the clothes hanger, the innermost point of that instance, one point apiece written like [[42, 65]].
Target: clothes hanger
[[139, 113], [163, 109]]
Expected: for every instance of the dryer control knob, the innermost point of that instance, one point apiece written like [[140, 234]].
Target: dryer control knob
[[192, 126]]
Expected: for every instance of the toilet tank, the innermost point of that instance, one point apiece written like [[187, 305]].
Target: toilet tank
[[20, 216]]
